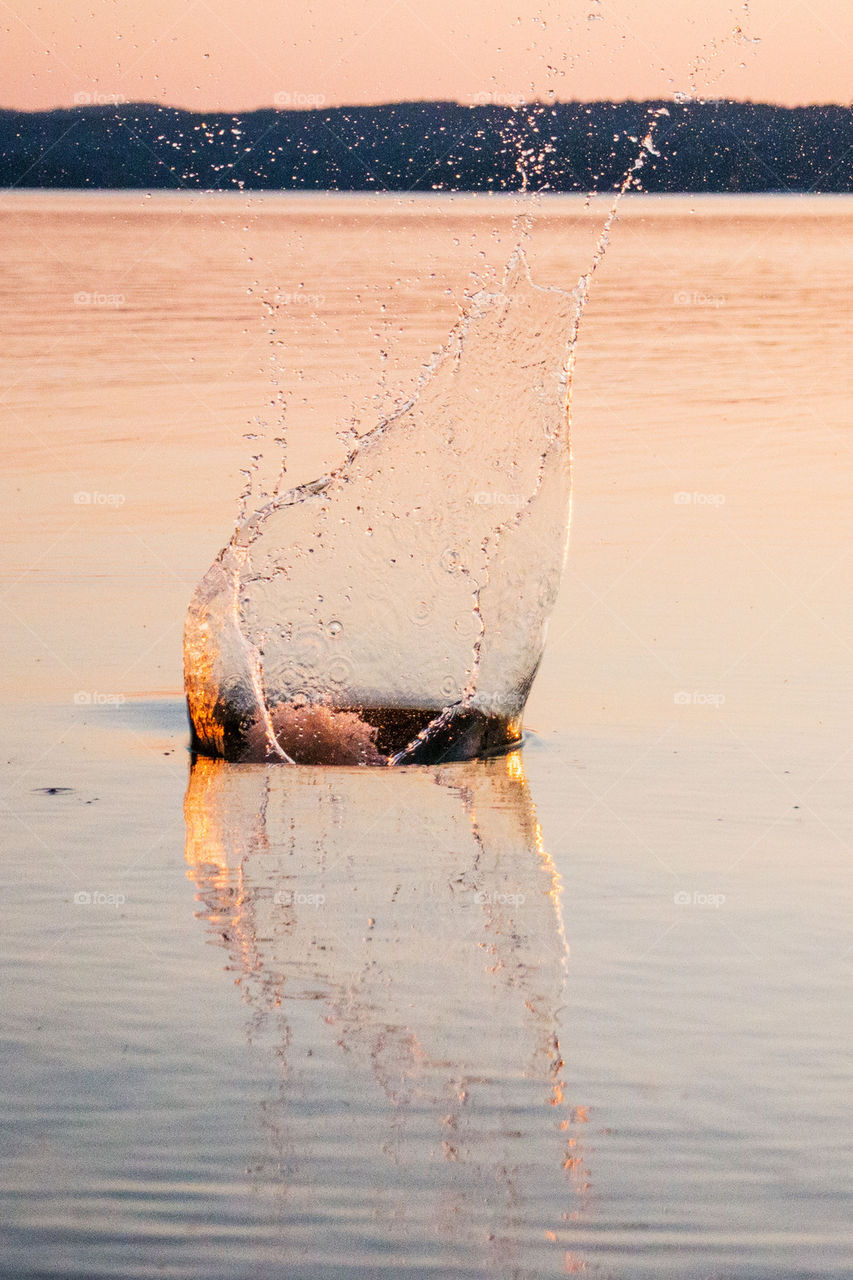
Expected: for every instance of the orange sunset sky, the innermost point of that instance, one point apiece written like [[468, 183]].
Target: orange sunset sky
[[239, 54]]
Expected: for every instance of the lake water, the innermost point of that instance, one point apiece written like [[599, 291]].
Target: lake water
[[585, 1008]]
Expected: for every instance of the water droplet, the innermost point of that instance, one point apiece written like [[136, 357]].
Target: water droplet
[[340, 671]]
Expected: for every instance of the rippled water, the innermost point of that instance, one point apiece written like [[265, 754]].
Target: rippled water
[[582, 1008]]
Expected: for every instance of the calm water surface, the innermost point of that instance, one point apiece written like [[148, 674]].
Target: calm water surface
[[581, 1009]]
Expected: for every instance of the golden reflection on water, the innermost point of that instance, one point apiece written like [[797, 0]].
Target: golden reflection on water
[[410, 920]]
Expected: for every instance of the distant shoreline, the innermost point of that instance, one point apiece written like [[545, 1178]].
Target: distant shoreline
[[596, 202], [704, 146]]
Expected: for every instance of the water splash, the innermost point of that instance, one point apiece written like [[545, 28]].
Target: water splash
[[395, 610]]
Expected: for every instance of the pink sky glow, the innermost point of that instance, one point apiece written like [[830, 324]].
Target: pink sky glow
[[238, 54]]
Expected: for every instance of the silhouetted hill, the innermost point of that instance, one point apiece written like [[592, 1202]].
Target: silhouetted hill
[[423, 146]]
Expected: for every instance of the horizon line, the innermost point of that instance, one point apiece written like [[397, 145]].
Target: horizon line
[[110, 101]]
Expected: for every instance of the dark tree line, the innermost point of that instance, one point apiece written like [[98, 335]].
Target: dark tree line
[[713, 146]]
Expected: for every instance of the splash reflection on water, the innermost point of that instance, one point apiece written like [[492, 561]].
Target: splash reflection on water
[[399, 941]]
